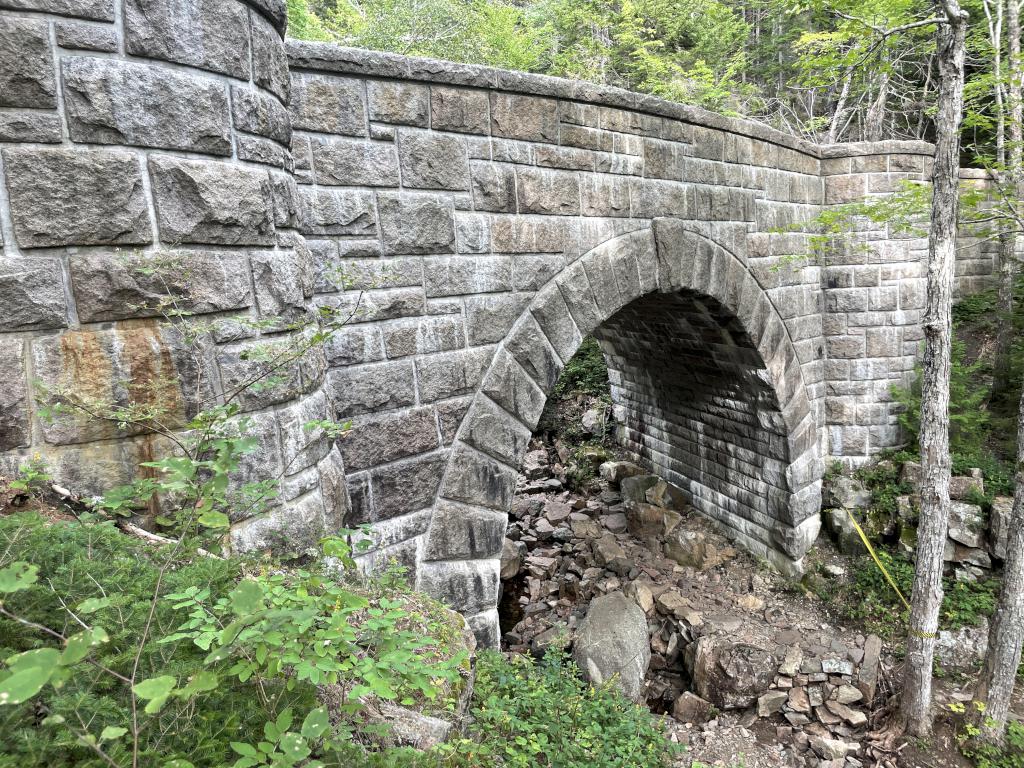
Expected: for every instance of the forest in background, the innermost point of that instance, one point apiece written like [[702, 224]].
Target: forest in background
[[815, 70]]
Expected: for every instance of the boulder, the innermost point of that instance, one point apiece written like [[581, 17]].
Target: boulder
[[610, 554], [634, 489], [999, 524], [771, 702], [967, 487], [647, 520], [691, 708], [848, 493], [616, 471], [730, 675], [966, 524], [593, 421], [666, 495], [512, 554], [843, 532], [613, 643], [696, 550]]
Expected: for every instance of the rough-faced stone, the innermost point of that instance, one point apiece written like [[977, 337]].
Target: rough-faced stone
[[458, 109], [69, 197], [612, 643], [328, 105], [210, 34], [277, 277], [494, 186], [337, 212], [346, 162], [474, 478], [207, 202], [469, 586], [119, 102], [496, 433], [548, 192], [14, 425], [400, 103], [269, 63], [100, 10], [406, 486], [433, 161], [377, 440], [530, 118], [256, 112], [26, 65], [416, 223], [31, 295], [459, 531], [30, 126], [86, 37], [372, 388]]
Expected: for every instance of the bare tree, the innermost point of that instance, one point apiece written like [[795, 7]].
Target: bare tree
[[915, 704]]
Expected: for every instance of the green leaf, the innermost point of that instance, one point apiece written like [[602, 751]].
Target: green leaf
[[284, 720], [112, 732], [18, 576], [294, 747], [177, 763], [246, 598], [315, 724], [245, 750], [200, 683], [93, 604], [154, 687], [214, 519], [40, 657], [23, 685], [79, 645]]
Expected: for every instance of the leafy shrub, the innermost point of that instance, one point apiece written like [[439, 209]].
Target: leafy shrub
[[119, 652], [1010, 755], [542, 714], [586, 373]]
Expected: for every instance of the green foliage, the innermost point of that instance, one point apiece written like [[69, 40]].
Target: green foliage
[[586, 373], [1010, 755], [542, 714], [968, 393]]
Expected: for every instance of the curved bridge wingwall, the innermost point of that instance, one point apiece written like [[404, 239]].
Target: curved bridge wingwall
[[483, 222]]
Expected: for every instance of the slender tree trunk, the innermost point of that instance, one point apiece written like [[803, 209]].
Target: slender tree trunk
[[837, 116], [995, 686], [876, 113], [1007, 267], [935, 461]]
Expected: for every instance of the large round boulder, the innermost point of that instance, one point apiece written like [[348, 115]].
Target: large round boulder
[[613, 643]]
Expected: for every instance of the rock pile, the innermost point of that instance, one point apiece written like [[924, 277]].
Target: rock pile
[[629, 578]]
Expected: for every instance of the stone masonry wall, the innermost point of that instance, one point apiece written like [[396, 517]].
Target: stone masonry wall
[[474, 225], [144, 158]]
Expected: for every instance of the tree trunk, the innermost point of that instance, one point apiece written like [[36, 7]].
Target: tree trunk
[[837, 116], [1007, 633], [934, 438], [876, 113], [1007, 267]]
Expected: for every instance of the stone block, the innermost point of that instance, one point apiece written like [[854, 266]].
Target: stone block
[[459, 531], [450, 414], [406, 486], [119, 102], [398, 102], [207, 202], [474, 478], [209, 34], [602, 195], [493, 431], [347, 162], [328, 104], [68, 197], [458, 109], [117, 286], [468, 586], [85, 37], [375, 440], [416, 223], [355, 344], [462, 275], [147, 365], [494, 187], [548, 192], [530, 118], [532, 350], [302, 447], [270, 362], [372, 388], [30, 126], [31, 294], [451, 373], [554, 318], [490, 317], [337, 212], [26, 64], [509, 386], [269, 62], [424, 336], [14, 418], [258, 113], [277, 278], [99, 10], [433, 161]]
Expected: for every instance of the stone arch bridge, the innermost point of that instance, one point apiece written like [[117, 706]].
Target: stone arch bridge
[[485, 222]]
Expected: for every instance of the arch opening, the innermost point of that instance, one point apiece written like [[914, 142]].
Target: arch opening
[[708, 383]]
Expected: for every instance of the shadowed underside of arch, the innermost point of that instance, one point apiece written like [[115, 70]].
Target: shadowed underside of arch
[[711, 387]]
